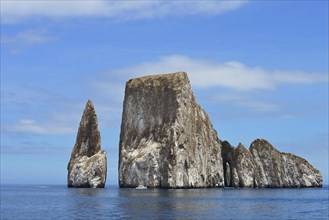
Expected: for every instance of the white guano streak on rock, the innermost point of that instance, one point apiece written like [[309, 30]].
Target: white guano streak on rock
[[163, 123]]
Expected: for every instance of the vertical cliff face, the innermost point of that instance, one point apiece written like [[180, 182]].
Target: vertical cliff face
[[87, 165], [166, 139], [265, 166]]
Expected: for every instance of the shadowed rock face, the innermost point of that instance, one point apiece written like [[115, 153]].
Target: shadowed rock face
[[87, 165], [265, 166], [166, 139]]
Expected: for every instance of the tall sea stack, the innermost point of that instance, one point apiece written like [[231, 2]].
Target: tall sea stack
[[87, 165], [167, 141], [166, 138]]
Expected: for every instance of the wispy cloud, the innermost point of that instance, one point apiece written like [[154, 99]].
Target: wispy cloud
[[32, 126], [28, 37], [25, 39], [232, 83], [23, 149], [61, 114], [42, 111], [232, 74], [38, 110], [243, 100], [17, 11]]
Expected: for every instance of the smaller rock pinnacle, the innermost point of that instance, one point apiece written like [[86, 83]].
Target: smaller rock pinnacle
[[87, 165]]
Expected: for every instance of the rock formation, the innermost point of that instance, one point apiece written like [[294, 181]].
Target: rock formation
[[166, 139], [87, 165], [239, 163], [264, 166], [276, 169]]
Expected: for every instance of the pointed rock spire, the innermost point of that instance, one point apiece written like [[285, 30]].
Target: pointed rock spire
[[88, 140], [87, 165]]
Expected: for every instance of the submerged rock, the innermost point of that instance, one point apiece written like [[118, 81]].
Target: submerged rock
[[87, 165], [166, 138], [265, 166]]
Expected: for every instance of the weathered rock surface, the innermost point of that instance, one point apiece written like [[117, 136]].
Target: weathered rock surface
[[87, 165], [240, 164], [264, 166], [166, 139], [276, 169]]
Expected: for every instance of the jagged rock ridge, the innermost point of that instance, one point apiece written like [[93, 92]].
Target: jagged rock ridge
[[166, 139], [265, 166], [87, 165]]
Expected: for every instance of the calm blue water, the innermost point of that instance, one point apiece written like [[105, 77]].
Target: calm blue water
[[59, 202]]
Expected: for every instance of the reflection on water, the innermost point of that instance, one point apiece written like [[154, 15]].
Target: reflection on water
[[216, 203], [88, 191], [84, 202], [59, 202], [188, 203], [162, 203], [195, 203]]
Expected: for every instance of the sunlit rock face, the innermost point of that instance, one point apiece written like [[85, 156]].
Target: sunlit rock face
[[87, 165], [166, 138], [167, 141], [265, 166], [238, 166], [276, 169]]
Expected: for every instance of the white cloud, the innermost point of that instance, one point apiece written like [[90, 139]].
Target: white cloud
[[15, 11], [250, 88], [232, 74], [31, 126], [61, 114]]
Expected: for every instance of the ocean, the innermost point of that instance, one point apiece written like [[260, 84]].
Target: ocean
[[59, 202]]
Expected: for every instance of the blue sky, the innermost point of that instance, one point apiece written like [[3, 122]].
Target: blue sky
[[259, 68]]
